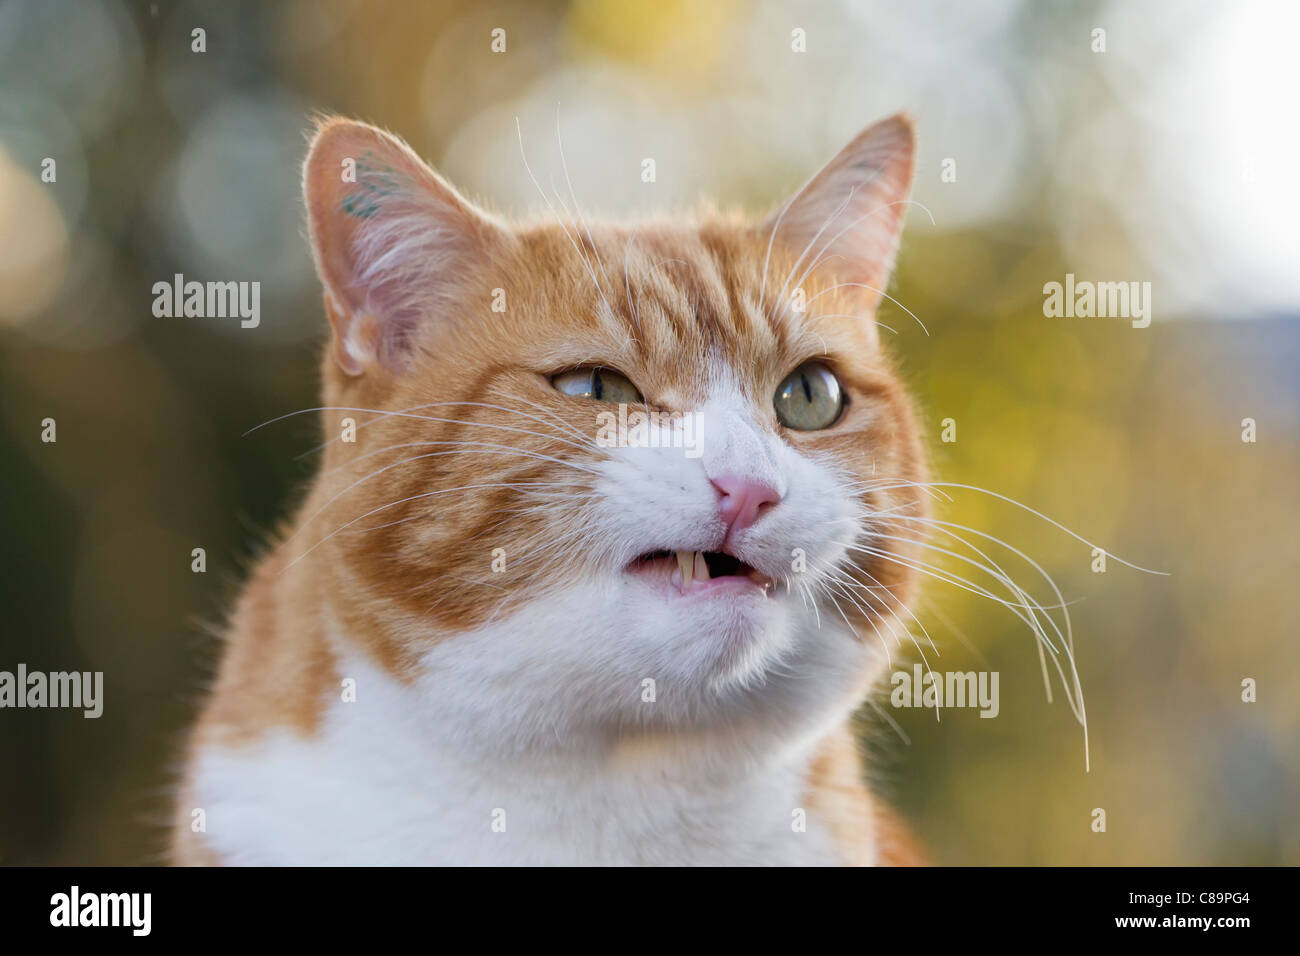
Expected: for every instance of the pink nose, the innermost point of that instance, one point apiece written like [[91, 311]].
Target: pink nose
[[742, 500]]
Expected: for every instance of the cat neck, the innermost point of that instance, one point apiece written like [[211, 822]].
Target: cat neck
[[452, 762], [588, 797]]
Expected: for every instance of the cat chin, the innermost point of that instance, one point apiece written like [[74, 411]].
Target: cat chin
[[718, 638], [598, 658]]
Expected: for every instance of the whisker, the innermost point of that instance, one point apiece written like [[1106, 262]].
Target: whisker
[[945, 526], [564, 165], [881, 292], [1039, 514], [853, 225], [901, 604], [898, 729], [503, 449], [584, 444], [391, 504], [868, 618], [627, 285], [1020, 610], [849, 315], [1031, 607], [559, 221], [780, 296]]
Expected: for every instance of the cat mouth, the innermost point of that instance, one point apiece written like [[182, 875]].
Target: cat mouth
[[692, 572]]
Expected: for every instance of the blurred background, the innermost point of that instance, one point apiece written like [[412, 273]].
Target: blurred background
[[1167, 155]]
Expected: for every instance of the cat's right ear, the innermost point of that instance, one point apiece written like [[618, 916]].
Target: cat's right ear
[[848, 218], [390, 238]]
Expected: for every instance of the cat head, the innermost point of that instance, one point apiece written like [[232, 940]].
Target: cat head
[[621, 475]]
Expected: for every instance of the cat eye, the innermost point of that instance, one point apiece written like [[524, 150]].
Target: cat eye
[[809, 399], [602, 384]]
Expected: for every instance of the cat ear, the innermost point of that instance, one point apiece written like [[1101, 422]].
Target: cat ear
[[847, 219], [390, 238]]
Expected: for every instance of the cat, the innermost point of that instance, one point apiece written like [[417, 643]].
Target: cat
[[488, 638]]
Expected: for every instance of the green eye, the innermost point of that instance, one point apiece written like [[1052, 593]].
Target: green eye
[[809, 399], [602, 384]]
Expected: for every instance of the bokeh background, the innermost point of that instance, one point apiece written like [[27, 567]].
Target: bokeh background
[[1168, 158]]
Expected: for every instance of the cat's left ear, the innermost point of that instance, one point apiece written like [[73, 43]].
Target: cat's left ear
[[847, 219], [392, 241]]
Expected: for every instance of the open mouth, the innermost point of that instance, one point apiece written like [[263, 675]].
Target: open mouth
[[692, 571]]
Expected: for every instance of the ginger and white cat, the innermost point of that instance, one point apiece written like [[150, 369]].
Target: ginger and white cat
[[489, 637]]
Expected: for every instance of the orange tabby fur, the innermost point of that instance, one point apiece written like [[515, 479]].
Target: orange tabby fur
[[692, 289]]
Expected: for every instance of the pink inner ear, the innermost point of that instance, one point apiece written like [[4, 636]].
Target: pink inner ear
[[855, 235], [846, 221], [402, 247], [391, 242]]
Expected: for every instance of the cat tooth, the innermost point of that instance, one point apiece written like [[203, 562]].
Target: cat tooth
[[701, 567], [685, 563]]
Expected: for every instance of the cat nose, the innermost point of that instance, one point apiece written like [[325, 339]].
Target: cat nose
[[743, 499]]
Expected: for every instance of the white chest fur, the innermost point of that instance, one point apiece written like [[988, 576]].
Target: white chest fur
[[501, 753], [368, 791]]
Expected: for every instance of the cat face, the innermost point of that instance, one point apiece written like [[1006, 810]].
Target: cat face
[[595, 464]]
